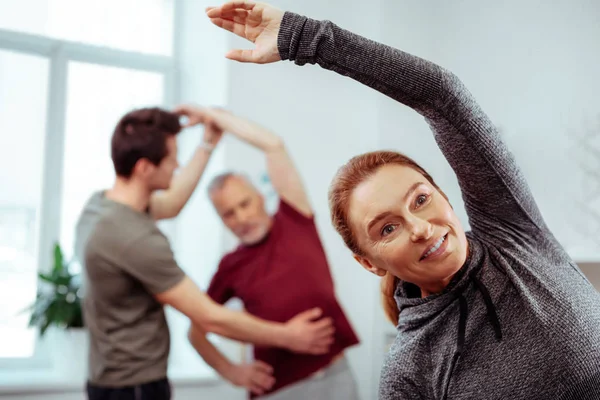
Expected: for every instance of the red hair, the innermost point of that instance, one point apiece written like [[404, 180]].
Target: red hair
[[348, 177]]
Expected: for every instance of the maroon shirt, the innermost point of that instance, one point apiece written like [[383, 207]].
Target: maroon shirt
[[283, 275]]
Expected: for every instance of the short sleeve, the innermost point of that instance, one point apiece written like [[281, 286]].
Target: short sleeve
[[151, 261], [220, 289]]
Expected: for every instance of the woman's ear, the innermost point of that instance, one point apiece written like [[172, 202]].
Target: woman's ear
[[366, 264]]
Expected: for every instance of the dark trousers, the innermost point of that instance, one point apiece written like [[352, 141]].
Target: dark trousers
[[155, 390]]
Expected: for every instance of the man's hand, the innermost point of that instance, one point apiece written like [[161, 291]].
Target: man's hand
[[212, 133], [195, 115], [224, 121], [256, 22], [219, 119], [257, 377], [198, 115], [308, 333]]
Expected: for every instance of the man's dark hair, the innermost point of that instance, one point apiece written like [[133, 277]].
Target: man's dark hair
[[141, 134]]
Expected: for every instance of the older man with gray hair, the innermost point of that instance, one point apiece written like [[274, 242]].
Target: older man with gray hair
[[278, 269]]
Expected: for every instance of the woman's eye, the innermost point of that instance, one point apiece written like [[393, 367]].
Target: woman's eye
[[421, 199], [387, 230]]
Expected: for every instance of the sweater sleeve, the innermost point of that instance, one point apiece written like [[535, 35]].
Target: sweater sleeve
[[495, 193]]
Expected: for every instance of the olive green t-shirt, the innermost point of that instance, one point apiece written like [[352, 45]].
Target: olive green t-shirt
[[126, 260]]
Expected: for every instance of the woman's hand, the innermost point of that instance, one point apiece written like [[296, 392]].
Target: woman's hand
[[256, 22]]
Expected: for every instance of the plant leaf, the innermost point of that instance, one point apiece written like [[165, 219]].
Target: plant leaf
[[46, 278], [44, 326], [69, 314], [58, 260], [40, 310], [78, 320]]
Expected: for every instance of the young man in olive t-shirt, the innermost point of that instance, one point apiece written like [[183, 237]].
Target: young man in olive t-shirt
[[279, 268]]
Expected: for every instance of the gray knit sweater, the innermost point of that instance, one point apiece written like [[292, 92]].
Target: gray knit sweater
[[519, 320]]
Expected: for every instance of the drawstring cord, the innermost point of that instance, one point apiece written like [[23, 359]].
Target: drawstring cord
[[462, 324]]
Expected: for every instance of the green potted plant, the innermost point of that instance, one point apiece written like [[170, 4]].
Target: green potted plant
[[58, 301], [58, 315]]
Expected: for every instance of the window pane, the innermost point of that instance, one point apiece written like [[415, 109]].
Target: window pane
[[97, 98], [23, 98], [137, 25]]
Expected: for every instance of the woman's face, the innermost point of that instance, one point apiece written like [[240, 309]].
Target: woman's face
[[406, 227]]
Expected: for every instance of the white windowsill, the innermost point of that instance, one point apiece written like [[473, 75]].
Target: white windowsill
[[43, 381]]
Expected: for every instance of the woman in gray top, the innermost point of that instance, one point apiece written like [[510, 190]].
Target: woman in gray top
[[500, 312]]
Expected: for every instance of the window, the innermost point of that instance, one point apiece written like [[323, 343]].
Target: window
[[135, 25], [68, 70], [24, 83], [59, 103]]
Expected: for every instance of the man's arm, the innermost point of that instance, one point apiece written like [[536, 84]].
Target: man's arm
[[303, 333], [170, 202], [284, 175], [150, 259], [256, 377]]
